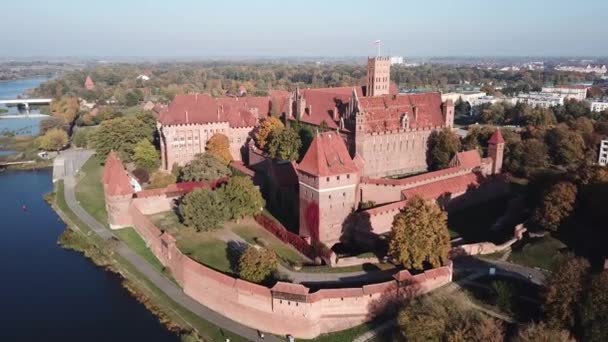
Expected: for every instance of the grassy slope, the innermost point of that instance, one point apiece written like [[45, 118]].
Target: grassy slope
[[89, 190], [253, 234], [146, 291], [132, 239], [541, 253]]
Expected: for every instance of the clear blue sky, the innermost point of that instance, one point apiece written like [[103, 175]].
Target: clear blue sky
[[190, 28]]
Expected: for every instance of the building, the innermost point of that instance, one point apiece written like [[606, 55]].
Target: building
[[544, 100], [598, 105], [587, 70], [603, 158], [576, 92], [465, 96], [378, 75], [143, 78], [396, 60], [89, 84]]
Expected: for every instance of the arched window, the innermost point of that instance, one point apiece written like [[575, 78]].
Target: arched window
[[405, 121]]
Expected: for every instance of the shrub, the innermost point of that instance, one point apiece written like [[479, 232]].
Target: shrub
[[257, 264], [161, 179], [203, 210]]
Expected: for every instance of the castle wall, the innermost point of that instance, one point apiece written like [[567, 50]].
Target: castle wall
[[117, 208]]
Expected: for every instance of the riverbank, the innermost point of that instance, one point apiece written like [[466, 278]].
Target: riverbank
[[79, 237]]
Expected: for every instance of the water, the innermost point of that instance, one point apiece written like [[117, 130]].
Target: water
[[11, 90], [51, 294]]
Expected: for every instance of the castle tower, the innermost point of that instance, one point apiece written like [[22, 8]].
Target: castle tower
[[328, 179], [118, 192], [447, 109], [378, 75], [496, 148]]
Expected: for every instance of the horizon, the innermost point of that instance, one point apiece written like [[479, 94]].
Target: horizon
[[271, 29]]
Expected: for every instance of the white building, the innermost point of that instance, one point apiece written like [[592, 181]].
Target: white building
[[588, 69], [544, 100], [466, 96], [603, 159], [483, 100], [396, 60], [577, 92], [598, 105], [143, 77]]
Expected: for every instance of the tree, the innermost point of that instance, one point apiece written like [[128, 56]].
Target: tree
[[80, 138], [52, 122], [564, 290], [242, 197], [419, 236], [256, 264], [539, 117], [594, 312], [145, 155], [566, 147], [462, 108], [53, 140], [541, 332], [219, 147], [268, 126], [284, 144], [161, 179], [204, 167], [442, 146], [203, 209], [557, 204], [527, 155], [121, 135]]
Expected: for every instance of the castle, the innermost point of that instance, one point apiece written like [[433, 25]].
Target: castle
[[371, 132]]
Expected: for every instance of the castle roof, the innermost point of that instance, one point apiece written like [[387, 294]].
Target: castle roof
[[115, 179], [202, 109], [434, 190], [467, 159], [326, 156], [385, 113], [496, 138]]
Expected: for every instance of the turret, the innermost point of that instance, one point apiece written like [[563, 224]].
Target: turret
[[447, 109], [496, 148]]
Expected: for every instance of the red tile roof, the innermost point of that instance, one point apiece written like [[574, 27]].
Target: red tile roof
[[467, 159], [454, 185], [202, 108], [384, 113], [297, 289], [115, 179], [326, 156], [496, 138]]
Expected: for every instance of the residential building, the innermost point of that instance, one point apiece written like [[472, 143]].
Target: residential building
[[544, 100], [588, 69], [603, 158], [598, 105], [396, 60], [576, 92]]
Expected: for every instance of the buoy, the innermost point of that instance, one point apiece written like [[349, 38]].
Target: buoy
[[24, 208]]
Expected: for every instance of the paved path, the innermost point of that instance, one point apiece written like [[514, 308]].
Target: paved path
[[169, 288]]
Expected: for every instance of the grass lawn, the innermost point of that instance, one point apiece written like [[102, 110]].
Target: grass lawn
[[543, 252], [130, 237], [89, 190], [254, 234], [172, 311]]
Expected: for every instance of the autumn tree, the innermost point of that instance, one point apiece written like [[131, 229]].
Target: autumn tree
[[204, 167], [566, 147], [160, 179], [564, 291], [284, 144], [256, 264], [267, 127], [242, 197], [53, 140], [219, 147], [594, 311], [527, 155], [145, 155], [442, 146], [203, 209], [557, 204], [419, 236], [541, 332], [121, 135]]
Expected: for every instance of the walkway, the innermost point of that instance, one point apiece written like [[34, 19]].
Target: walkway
[[169, 288]]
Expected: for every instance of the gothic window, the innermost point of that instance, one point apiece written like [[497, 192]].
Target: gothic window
[[405, 121]]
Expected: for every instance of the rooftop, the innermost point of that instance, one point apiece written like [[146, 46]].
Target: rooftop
[[326, 156]]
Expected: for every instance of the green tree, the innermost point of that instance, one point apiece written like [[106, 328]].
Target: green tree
[[121, 135], [284, 144], [256, 264], [145, 155], [203, 209], [564, 290], [539, 117], [594, 312], [541, 332], [557, 204], [419, 236], [242, 197], [566, 147], [267, 127], [442, 146], [219, 147], [527, 155], [53, 140], [81, 137], [204, 167]]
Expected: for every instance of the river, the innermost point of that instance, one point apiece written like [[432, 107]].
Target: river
[[48, 293], [51, 294]]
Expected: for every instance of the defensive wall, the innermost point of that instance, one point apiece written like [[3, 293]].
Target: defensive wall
[[283, 309]]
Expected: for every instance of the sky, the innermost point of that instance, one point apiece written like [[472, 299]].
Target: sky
[[336, 28]]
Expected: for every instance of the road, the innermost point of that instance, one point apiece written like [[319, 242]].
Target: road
[[77, 158]]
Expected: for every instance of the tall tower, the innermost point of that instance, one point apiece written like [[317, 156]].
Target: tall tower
[[496, 148], [378, 75]]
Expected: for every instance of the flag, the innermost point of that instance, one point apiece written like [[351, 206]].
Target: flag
[[377, 42]]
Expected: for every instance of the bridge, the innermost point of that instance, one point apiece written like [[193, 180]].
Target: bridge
[[25, 103]]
